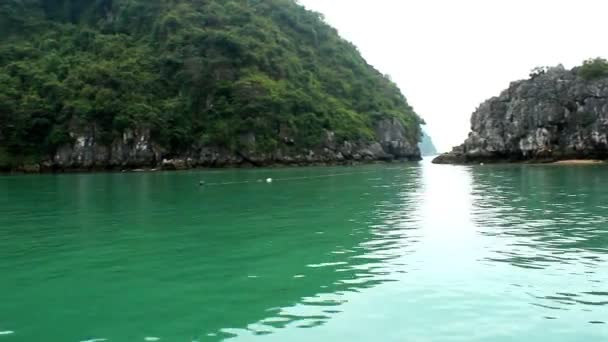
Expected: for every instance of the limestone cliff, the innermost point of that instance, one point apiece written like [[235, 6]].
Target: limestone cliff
[[137, 149], [554, 115]]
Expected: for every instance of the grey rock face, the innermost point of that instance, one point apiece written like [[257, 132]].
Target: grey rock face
[[394, 140], [135, 149], [553, 116], [85, 152]]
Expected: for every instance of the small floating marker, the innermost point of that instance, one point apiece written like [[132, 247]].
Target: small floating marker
[[201, 183], [482, 164], [268, 180], [152, 339]]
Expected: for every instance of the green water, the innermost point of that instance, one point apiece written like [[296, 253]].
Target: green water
[[413, 252]]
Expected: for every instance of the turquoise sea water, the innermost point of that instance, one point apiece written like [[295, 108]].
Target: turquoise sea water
[[398, 252]]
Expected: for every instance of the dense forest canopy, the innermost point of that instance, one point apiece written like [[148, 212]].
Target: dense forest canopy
[[192, 71]]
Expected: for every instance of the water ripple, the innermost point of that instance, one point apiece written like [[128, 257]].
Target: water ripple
[[425, 252]]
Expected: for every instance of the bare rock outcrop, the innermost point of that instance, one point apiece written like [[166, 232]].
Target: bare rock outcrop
[[555, 115], [136, 149]]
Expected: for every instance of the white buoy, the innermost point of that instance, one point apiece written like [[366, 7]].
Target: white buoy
[[268, 180]]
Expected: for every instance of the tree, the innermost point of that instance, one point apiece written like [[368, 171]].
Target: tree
[[594, 68]]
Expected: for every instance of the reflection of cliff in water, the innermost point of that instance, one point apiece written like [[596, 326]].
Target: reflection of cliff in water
[[550, 219], [213, 260], [352, 242]]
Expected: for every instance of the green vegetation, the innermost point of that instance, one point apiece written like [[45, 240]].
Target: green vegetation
[[594, 69], [192, 71]]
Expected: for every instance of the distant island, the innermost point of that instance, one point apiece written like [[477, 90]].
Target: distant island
[[427, 147], [123, 84], [556, 115]]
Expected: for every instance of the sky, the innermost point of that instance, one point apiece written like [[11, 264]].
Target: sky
[[449, 56]]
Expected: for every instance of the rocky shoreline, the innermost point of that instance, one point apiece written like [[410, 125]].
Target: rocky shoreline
[[182, 165], [136, 150], [458, 159], [556, 115]]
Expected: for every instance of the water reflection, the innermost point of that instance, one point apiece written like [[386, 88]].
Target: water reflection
[[156, 255], [551, 221], [435, 253], [378, 239]]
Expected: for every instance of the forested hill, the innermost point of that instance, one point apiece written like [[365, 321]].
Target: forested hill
[[130, 83]]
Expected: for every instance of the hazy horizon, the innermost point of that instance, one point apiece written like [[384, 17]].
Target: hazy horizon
[[448, 57]]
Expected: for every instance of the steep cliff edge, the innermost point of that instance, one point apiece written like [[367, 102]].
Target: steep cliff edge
[[557, 114], [123, 84]]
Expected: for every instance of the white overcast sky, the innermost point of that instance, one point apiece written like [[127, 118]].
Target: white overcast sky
[[448, 56]]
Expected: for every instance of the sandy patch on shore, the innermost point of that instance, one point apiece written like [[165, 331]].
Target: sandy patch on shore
[[579, 162]]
